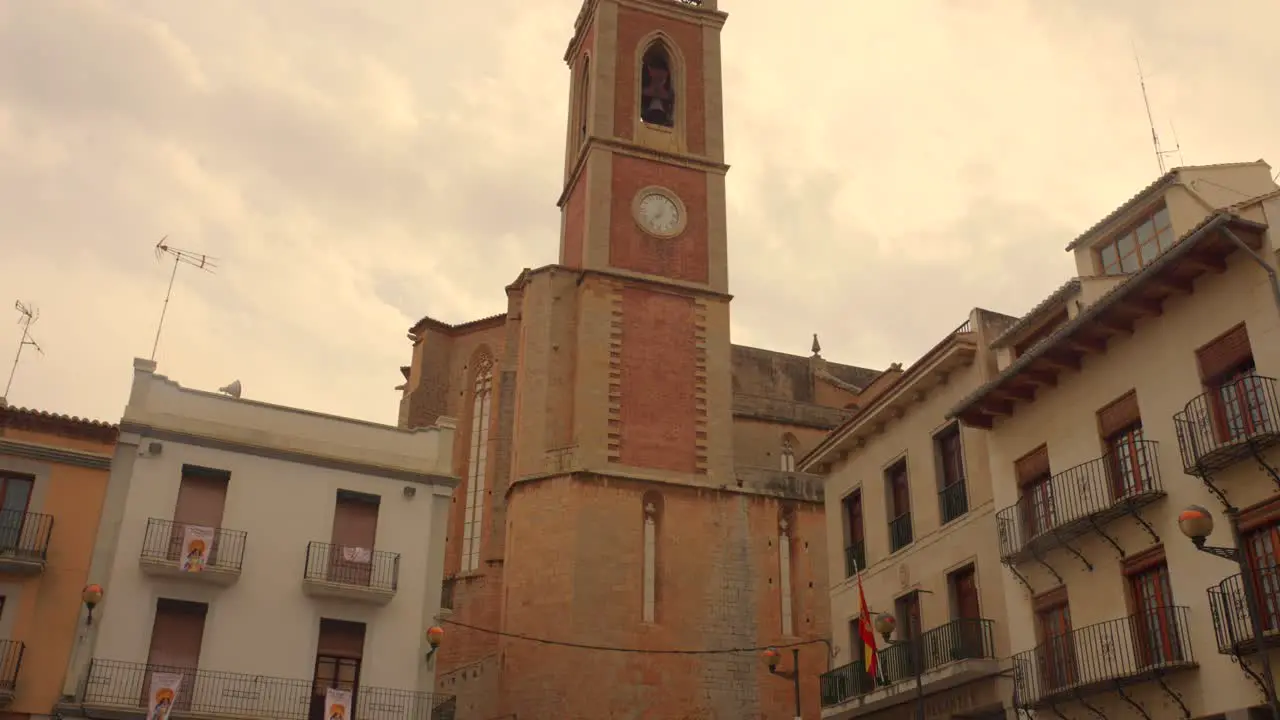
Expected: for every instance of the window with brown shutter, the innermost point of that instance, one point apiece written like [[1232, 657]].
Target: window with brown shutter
[[177, 634], [1119, 416], [1224, 355], [1035, 490], [1032, 466]]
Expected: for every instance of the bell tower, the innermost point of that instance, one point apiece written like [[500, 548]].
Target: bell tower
[[644, 153]]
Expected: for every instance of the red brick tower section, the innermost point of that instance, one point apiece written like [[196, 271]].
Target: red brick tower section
[[625, 524]]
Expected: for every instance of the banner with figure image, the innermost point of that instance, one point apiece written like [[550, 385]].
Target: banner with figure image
[[337, 704], [162, 695], [197, 541]]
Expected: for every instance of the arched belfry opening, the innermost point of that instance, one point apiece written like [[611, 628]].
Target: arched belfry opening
[[657, 91]]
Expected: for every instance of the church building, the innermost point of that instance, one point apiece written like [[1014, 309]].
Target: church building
[[628, 474]]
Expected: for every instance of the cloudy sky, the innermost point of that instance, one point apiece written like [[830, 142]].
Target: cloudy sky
[[355, 166]]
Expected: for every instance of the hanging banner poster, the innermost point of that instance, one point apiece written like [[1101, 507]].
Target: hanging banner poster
[[162, 695], [338, 703], [196, 543]]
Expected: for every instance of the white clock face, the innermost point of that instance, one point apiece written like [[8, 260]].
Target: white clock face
[[658, 214]]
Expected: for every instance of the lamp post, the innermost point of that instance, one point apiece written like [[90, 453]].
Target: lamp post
[[885, 624], [91, 595], [771, 657], [1197, 524], [435, 636]]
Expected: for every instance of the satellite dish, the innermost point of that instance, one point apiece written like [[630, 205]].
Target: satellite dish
[[233, 389]]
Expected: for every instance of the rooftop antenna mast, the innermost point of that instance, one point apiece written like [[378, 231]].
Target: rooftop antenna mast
[[199, 261], [1155, 136], [27, 316]]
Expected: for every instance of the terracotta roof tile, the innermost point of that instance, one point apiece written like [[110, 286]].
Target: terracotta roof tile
[[1063, 292]]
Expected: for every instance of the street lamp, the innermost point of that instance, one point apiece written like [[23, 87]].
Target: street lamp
[[885, 624], [435, 636], [771, 658], [1197, 523], [91, 595]]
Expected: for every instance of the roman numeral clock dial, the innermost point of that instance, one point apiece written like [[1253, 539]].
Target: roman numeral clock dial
[[659, 212]]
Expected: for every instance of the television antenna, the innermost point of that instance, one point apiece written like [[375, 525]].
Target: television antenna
[[200, 261], [1155, 136], [27, 316]]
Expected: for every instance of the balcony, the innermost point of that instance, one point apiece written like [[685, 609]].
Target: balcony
[[119, 690], [1080, 500], [959, 652], [350, 573], [1230, 422], [24, 541], [162, 553], [10, 664], [855, 558], [900, 534], [953, 501], [1103, 657], [1232, 625]]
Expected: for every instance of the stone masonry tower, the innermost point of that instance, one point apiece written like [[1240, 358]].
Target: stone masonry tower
[[616, 533]]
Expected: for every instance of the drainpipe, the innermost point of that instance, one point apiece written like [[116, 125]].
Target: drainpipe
[[1271, 272]]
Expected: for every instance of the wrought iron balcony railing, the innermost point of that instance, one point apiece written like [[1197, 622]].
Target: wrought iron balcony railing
[[900, 532], [352, 567], [1116, 652], [163, 543], [122, 685], [10, 664], [1232, 624], [1080, 499], [855, 558], [24, 536], [1220, 426], [953, 501], [961, 639]]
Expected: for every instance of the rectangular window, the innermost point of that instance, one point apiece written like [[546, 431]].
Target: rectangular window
[[969, 633], [1130, 463], [1136, 248], [202, 499], [907, 611], [1035, 493], [855, 548], [1155, 620], [899, 494], [15, 497], [1056, 653], [177, 634], [339, 653], [1262, 544], [1240, 406], [355, 528], [948, 452]]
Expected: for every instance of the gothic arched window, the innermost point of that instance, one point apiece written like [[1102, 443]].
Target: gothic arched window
[[788, 453], [473, 520], [657, 93]]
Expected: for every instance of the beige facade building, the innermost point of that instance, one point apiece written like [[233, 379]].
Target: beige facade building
[[1142, 386], [910, 510], [254, 557]]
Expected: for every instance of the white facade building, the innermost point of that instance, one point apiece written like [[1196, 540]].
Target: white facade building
[[323, 566]]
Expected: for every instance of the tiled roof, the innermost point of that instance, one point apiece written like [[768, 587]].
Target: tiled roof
[[428, 320], [1067, 289], [1116, 294], [18, 416], [1144, 194]]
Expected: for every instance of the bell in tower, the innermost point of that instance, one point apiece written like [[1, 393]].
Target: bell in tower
[[656, 96]]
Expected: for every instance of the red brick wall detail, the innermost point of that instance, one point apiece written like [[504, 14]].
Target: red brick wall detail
[[658, 384], [680, 258], [635, 25], [575, 223]]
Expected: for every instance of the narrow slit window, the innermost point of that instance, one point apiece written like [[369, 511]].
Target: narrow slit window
[[788, 454], [650, 561], [784, 575], [473, 519]]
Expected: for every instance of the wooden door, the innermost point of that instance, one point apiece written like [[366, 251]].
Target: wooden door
[[177, 634], [968, 623], [339, 654], [1131, 472], [908, 611], [1155, 624], [1037, 506], [15, 496], [355, 526], [1057, 659]]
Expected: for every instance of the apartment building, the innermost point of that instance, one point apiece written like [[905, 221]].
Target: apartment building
[[1141, 387], [260, 562], [910, 515], [53, 476]]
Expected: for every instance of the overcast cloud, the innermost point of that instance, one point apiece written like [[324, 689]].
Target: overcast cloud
[[355, 166]]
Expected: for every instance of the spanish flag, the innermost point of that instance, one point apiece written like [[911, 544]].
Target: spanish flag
[[871, 660]]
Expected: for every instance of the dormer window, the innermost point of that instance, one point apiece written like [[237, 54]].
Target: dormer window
[[1138, 247]]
